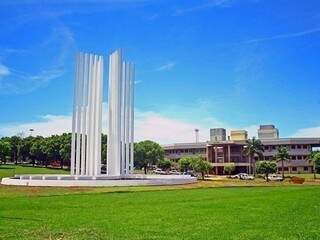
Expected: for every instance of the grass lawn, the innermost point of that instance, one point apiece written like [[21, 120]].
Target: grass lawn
[[205, 213], [196, 211], [11, 170]]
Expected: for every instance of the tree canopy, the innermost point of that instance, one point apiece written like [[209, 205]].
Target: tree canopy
[[282, 156], [254, 147], [266, 167], [147, 153]]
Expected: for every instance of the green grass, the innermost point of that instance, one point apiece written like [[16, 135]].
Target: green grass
[[11, 170], [205, 213], [198, 211]]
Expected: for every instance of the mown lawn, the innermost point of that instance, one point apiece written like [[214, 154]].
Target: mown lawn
[[11, 170], [221, 209], [287, 212]]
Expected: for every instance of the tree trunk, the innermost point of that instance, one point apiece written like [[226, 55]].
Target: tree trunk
[[282, 168], [254, 165], [202, 175], [314, 170], [61, 163], [250, 164], [145, 169], [267, 175]]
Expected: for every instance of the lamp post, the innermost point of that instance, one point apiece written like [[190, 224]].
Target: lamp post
[[31, 130]]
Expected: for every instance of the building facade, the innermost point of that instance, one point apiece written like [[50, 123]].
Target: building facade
[[268, 132], [221, 153]]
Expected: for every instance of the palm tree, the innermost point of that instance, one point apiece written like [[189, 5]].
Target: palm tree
[[281, 156], [314, 155], [253, 148]]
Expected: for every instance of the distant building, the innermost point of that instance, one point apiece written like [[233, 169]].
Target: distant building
[[217, 134], [220, 153], [238, 135], [178, 150], [268, 132]]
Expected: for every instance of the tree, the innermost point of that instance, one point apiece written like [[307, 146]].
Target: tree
[[229, 168], [147, 153], [253, 148], [15, 142], [200, 165], [185, 163], [36, 150], [52, 149], [314, 158], [65, 149], [282, 156], [104, 140], [165, 164], [24, 148], [5, 149], [266, 167]]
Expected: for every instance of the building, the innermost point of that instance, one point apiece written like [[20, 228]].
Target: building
[[217, 134], [238, 135], [178, 150], [220, 153], [268, 132]]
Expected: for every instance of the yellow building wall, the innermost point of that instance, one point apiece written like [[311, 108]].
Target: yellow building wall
[[238, 135]]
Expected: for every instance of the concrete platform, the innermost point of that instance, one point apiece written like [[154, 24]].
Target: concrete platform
[[97, 181]]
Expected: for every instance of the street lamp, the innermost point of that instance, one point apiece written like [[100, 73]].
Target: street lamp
[[31, 130]]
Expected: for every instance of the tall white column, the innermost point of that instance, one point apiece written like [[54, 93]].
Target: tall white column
[[120, 125], [131, 117], [86, 120], [114, 131]]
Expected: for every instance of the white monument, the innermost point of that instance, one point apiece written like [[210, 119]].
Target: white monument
[[85, 166], [87, 116], [121, 116]]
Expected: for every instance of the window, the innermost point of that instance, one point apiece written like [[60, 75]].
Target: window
[[306, 169], [305, 146], [294, 168], [299, 157], [293, 157], [299, 146], [293, 146], [285, 168]]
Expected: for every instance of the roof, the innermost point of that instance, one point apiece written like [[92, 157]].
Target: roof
[[279, 141], [185, 145]]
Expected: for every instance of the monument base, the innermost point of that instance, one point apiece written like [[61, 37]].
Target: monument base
[[97, 181]]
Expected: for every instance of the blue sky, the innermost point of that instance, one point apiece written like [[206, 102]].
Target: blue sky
[[201, 63]]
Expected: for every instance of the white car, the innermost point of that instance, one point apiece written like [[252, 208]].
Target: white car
[[174, 172], [159, 171], [243, 176], [275, 177], [247, 177]]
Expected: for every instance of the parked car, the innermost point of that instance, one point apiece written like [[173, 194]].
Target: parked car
[[242, 176], [247, 177], [174, 172], [275, 177], [191, 173], [159, 171]]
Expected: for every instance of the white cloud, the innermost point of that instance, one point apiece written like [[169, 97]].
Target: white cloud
[[202, 6], [166, 67], [307, 132], [4, 71], [47, 125], [148, 125], [283, 36]]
